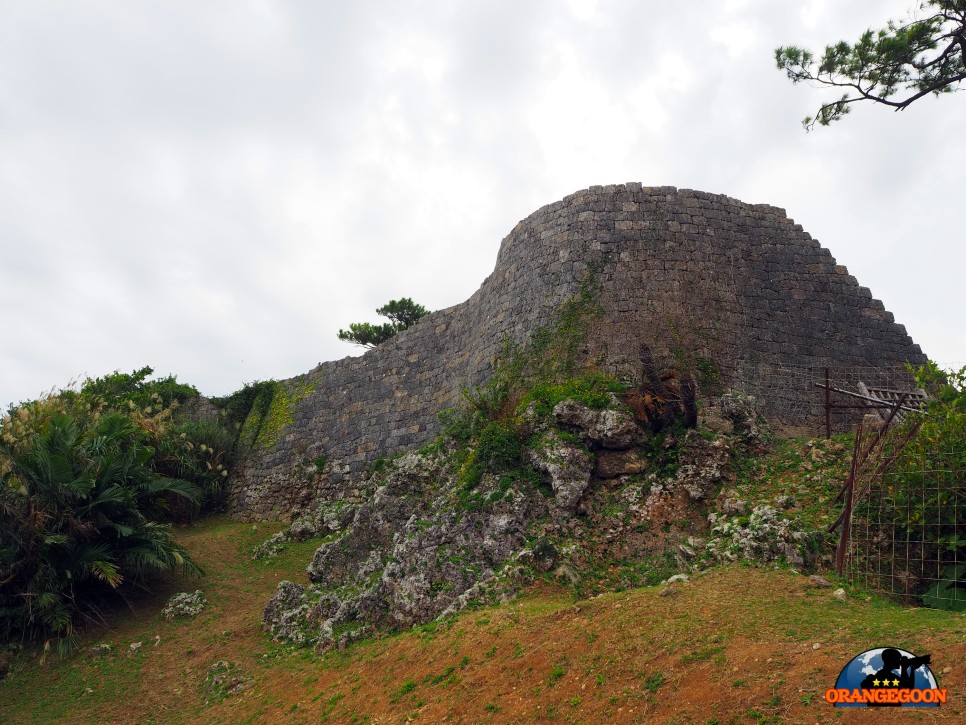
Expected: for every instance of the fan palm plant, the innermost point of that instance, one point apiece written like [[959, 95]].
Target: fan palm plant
[[77, 518]]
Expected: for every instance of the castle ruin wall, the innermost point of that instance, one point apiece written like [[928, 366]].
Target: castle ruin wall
[[687, 274]]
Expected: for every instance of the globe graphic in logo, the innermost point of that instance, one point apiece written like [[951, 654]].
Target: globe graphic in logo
[[889, 667]]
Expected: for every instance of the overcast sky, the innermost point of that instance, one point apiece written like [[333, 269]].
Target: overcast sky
[[215, 188]]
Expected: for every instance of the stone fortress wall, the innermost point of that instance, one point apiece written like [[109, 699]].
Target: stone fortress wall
[[689, 275]]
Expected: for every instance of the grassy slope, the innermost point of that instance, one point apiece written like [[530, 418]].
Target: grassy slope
[[734, 645]]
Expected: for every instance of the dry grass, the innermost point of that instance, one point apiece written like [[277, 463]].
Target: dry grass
[[734, 646]]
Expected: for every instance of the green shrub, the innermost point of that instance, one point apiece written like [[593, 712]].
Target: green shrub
[[202, 452], [79, 503], [118, 389], [489, 430], [498, 449], [552, 355], [593, 389], [949, 592], [246, 411], [925, 488]]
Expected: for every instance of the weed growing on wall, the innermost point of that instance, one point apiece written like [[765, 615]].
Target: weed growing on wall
[[491, 431], [551, 355], [245, 410], [499, 449], [279, 415], [259, 412], [593, 390]]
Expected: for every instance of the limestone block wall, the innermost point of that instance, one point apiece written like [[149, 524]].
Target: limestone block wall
[[688, 274]]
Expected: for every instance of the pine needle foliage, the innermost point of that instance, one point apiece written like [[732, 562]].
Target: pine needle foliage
[[402, 313], [923, 55]]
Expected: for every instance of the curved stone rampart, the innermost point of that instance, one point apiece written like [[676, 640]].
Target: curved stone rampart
[[690, 275]]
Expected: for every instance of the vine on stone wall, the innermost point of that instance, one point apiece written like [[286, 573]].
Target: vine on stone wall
[[260, 411], [492, 429], [244, 410], [552, 354], [277, 417]]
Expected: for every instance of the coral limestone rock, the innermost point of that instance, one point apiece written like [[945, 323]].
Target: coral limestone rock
[[568, 465], [599, 428]]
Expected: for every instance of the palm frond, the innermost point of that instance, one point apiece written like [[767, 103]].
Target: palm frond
[[177, 486]]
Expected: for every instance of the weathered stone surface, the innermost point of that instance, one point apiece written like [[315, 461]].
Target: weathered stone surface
[[568, 466], [286, 615], [541, 556], [412, 551], [185, 604], [766, 535], [705, 467], [714, 421], [225, 678], [684, 273], [611, 464], [272, 547], [599, 428], [742, 411], [426, 540]]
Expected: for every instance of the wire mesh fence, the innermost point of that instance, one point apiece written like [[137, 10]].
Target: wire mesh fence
[[906, 540], [804, 398], [907, 533]]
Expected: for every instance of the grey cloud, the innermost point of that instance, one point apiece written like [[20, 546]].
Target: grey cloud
[[190, 185]]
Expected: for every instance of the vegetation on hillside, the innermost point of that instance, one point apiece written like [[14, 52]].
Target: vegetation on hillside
[[88, 480], [924, 501], [255, 416], [92, 478], [739, 644]]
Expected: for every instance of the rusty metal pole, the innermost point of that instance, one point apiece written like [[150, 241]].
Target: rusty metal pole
[[828, 404], [847, 513]]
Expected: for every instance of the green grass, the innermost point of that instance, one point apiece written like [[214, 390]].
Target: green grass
[[812, 471], [614, 650], [555, 674]]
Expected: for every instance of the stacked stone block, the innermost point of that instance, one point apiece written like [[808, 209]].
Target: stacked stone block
[[688, 275]]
